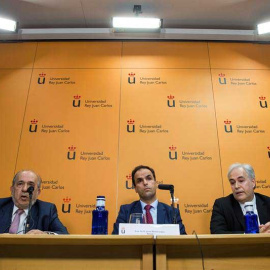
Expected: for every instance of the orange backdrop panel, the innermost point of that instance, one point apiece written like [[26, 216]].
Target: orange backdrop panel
[[17, 55], [174, 131], [78, 55], [14, 85], [239, 55], [243, 121], [84, 114], [74, 140], [241, 90], [165, 55]]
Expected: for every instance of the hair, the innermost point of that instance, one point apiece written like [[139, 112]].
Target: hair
[[16, 176], [139, 168], [247, 168]]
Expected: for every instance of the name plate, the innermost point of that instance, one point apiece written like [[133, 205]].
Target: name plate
[[148, 229]]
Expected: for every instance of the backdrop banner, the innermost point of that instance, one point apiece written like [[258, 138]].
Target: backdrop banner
[[84, 114]]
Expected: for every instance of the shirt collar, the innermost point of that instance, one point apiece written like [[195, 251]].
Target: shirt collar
[[15, 208], [153, 204], [253, 202]]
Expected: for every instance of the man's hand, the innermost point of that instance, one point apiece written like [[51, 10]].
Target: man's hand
[[265, 228], [36, 232]]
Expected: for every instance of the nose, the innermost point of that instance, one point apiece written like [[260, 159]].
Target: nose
[[24, 187], [145, 182], [236, 185]]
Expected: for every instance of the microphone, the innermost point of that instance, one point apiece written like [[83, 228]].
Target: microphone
[[27, 224], [30, 190], [171, 189], [166, 187]]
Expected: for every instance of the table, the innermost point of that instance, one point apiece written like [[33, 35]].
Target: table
[[221, 252], [75, 252]]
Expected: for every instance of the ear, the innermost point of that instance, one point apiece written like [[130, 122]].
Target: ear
[[39, 191], [253, 183]]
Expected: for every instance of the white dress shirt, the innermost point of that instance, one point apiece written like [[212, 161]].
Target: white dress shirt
[[253, 202]]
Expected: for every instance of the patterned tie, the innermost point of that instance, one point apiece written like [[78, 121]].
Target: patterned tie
[[149, 219], [16, 221]]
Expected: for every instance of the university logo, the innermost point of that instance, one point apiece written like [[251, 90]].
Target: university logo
[[263, 102], [170, 101], [66, 206], [129, 184], [123, 230], [33, 125], [228, 126], [41, 78], [71, 154], [222, 79], [172, 153], [76, 101], [268, 151], [130, 125], [131, 78]]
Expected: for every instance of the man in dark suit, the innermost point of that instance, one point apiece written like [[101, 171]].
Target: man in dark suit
[[144, 181], [228, 212], [14, 210]]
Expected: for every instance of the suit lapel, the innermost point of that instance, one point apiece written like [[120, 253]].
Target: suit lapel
[[137, 207], [5, 216], [161, 214], [262, 210], [238, 213]]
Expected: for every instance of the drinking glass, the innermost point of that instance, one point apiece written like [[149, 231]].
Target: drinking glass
[[137, 218]]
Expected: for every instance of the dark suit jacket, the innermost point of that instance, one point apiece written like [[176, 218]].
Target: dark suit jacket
[[227, 215], [44, 217], [164, 215]]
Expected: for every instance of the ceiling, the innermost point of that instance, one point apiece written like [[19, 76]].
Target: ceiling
[[97, 14]]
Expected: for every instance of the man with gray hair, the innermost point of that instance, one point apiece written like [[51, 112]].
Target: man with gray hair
[[14, 210], [228, 212]]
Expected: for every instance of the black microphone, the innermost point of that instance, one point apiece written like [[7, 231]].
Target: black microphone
[[166, 187], [27, 224], [171, 189], [30, 190]]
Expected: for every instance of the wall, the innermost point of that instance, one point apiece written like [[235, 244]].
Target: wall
[[84, 114]]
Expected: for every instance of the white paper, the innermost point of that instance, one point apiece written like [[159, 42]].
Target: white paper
[[148, 229]]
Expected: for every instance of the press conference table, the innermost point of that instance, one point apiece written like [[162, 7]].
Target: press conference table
[[134, 252], [78, 252], [221, 252]]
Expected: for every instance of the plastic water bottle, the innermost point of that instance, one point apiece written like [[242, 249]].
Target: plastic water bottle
[[251, 219], [100, 217]]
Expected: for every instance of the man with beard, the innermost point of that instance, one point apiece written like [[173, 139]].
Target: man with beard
[[144, 181]]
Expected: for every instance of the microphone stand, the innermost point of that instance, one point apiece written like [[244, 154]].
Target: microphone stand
[[173, 208], [27, 224]]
